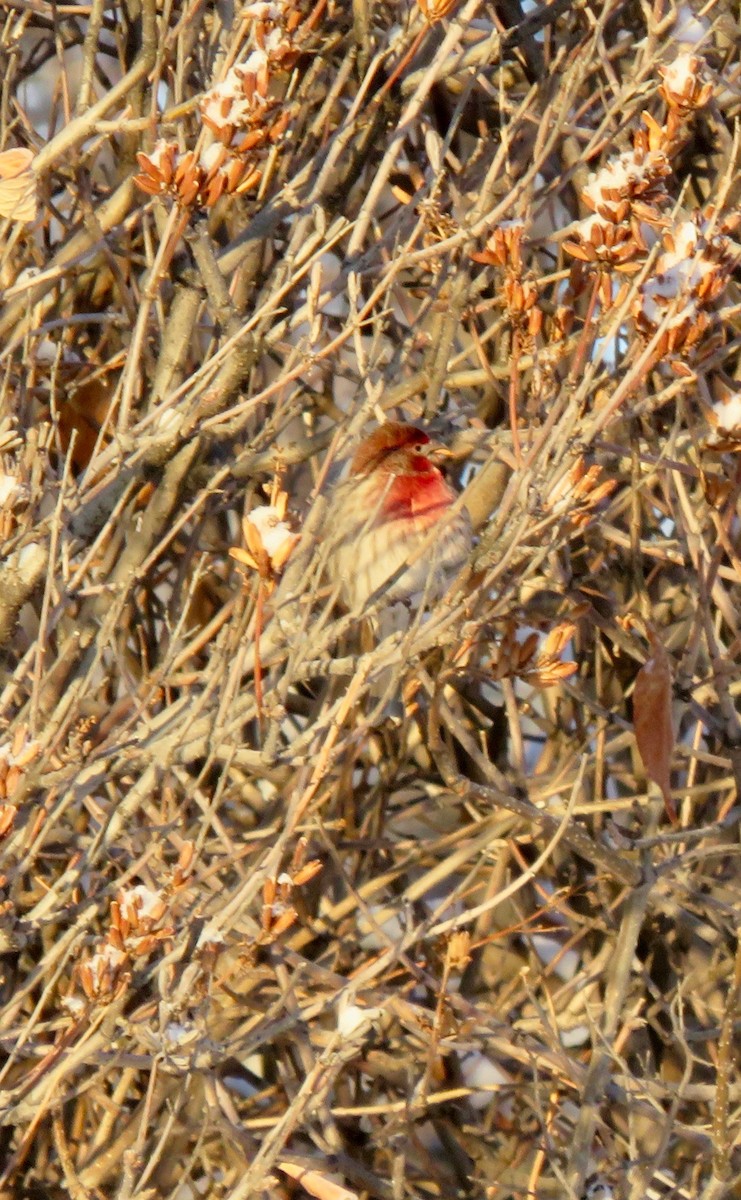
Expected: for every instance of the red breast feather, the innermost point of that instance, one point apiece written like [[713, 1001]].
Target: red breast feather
[[386, 511]]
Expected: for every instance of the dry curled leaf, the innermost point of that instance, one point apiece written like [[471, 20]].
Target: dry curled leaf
[[652, 717], [17, 185]]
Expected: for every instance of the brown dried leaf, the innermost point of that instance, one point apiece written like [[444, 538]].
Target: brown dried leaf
[[652, 718], [17, 185]]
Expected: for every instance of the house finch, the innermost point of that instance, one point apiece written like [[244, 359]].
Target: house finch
[[395, 506]]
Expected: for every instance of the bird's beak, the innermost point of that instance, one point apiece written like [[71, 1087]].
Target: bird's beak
[[438, 453]]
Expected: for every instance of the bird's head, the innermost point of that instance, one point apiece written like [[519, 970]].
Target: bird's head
[[396, 449]]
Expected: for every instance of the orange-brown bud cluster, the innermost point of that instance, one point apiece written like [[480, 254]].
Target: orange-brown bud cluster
[[503, 246], [579, 492], [616, 246], [724, 417], [627, 198], [103, 975], [269, 539], [504, 249], [631, 213], [521, 298], [15, 758], [690, 274], [135, 929], [685, 84], [244, 112], [278, 911], [598, 245], [632, 184], [190, 180], [240, 112], [535, 661]]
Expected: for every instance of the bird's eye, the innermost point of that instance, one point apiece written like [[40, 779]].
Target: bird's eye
[[419, 448]]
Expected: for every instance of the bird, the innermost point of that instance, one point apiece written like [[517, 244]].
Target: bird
[[395, 508]]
